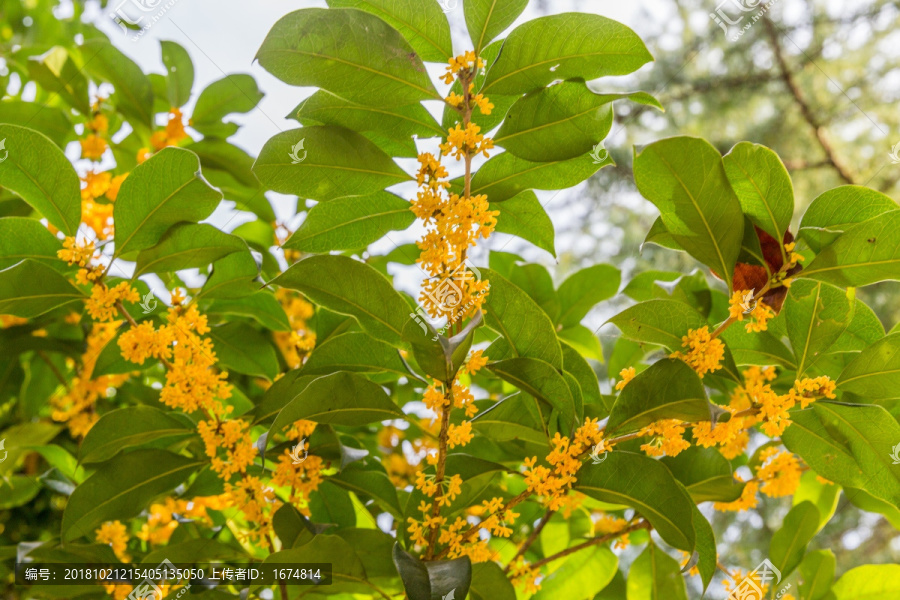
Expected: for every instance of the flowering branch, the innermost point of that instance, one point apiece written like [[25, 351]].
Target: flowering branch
[[592, 542]]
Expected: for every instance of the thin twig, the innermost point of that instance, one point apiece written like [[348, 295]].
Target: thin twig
[[531, 538], [591, 542]]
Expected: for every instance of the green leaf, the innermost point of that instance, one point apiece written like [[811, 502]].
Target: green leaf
[[875, 373], [849, 445], [583, 340], [816, 315], [660, 236], [164, 190], [838, 209], [705, 548], [817, 572], [179, 73], [370, 483], [49, 120], [486, 19], [662, 322], [869, 581], [339, 399], [789, 543], [234, 276], [186, 246], [489, 582], [506, 420], [585, 289], [539, 379], [757, 348], [18, 490], [355, 352], [864, 330], [231, 94], [564, 47], [864, 254], [348, 573], [705, 473], [134, 93], [866, 501], [669, 389], [242, 348], [57, 73], [195, 550], [647, 486], [575, 364], [21, 238], [427, 580], [36, 170], [30, 289], [655, 574], [350, 53], [522, 323], [762, 185], [524, 216], [581, 575], [825, 496], [422, 24], [129, 427], [333, 163], [122, 488], [535, 280], [560, 122], [504, 176], [350, 287], [685, 179], [220, 156], [111, 362], [261, 306], [351, 223]]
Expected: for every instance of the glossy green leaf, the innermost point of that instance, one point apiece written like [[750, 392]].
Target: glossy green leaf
[[685, 179], [370, 483], [564, 46], [122, 488], [241, 348], [655, 574], [179, 73], [351, 223], [705, 547], [864, 330], [838, 209], [427, 580], [350, 287], [817, 572], [816, 314], [350, 53], [262, 306], [234, 276], [129, 427], [864, 254], [422, 24], [348, 572], [489, 582], [583, 290], [486, 19], [134, 94], [869, 581], [219, 156], [504, 176], [761, 348], [520, 321], [874, 373], [705, 473], [339, 399], [324, 163], [231, 94], [581, 370], [523, 216], [19, 490], [164, 190], [824, 496], [186, 246], [21, 238], [583, 340], [37, 171], [848, 444], [356, 352], [49, 120], [669, 389], [30, 288], [539, 379], [662, 322], [647, 486], [57, 73], [580, 575], [788, 545], [560, 122], [762, 186]]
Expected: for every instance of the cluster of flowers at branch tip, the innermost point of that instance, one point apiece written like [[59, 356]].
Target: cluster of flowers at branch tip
[[454, 221]]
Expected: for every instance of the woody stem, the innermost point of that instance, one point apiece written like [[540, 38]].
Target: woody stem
[[730, 320], [440, 470], [591, 542], [531, 538]]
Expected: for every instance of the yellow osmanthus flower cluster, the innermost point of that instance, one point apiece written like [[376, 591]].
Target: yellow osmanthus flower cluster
[[114, 534], [778, 475], [296, 344], [704, 353], [524, 576], [607, 524], [495, 520], [161, 522], [303, 478], [772, 407], [627, 375], [94, 144], [760, 313], [666, 438], [99, 191], [75, 407], [170, 136], [565, 459], [454, 221]]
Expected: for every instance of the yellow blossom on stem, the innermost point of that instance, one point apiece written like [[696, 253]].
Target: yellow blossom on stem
[[704, 353], [759, 316], [747, 500], [94, 185], [114, 534], [779, 473], [102, 303], [93, 147], [667, 438], [76, 253], [627, 375]]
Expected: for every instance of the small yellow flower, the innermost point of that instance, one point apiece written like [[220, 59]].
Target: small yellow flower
[[627, 375], [93, 147], [704, 354]]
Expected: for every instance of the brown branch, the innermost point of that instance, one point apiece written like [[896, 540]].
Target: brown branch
[[440, 470], [59, 376], [591, 542], [531, 538], [790, 82], [475, 528]]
